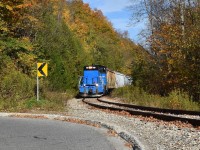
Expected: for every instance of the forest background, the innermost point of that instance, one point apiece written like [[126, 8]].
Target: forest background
[[69, 35]]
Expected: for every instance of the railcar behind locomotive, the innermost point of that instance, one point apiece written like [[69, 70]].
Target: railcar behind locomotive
[[97, 80]]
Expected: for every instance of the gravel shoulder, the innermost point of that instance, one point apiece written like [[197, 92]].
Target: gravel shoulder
[[149, 135]]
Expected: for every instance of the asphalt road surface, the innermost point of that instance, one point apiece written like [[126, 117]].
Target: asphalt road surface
[[38, 134]]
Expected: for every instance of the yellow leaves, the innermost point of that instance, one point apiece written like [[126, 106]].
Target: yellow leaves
[[32, 18], [25, 39], [12, 8], [3, 26], [170, 61], [3, 29], [66, 15], [9, 7], [27, 59], [26, 44], [163, 51], [1, 5]]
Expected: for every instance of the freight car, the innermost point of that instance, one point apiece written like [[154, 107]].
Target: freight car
[[97, 80]]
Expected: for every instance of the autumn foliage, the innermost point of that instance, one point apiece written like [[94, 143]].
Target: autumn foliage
[[69, 34], [65, 34], [174, 46]]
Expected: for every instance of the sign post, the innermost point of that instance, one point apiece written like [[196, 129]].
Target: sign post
[[37, 86], [41, 71]]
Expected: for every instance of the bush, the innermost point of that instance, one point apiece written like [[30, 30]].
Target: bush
[[17, 94], [180, 100], [16, 86]]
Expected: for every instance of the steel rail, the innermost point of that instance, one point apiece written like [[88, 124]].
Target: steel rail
[[194, 122], [162, 110]]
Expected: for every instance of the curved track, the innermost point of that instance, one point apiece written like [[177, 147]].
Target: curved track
[[192, 117], [154, 109]]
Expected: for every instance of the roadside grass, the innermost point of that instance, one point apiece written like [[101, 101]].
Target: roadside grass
[[50, 102], [17, 94], [137, 96]]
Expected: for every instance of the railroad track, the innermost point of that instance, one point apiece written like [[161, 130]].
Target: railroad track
[[191, 117]]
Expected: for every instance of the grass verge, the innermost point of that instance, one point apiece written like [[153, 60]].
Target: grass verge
[[17, 94], [49, 102], [137, 96]]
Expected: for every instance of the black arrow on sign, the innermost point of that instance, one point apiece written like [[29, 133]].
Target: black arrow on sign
[[40, 69]]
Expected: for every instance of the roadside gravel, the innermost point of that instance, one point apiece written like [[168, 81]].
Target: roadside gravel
[[149, 135]]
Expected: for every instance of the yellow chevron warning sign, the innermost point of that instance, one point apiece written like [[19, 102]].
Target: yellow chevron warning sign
[[42, 69]]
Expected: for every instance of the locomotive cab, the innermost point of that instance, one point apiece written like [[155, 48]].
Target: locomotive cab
[[93, 81]]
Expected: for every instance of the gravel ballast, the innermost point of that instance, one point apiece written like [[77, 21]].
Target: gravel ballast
[[148, 135]]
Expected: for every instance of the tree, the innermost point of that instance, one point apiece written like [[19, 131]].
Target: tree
[[14, 43], [174, 42]]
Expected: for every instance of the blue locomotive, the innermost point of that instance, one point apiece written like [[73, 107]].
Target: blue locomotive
[[97, 80]]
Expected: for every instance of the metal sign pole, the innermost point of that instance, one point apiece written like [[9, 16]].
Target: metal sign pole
[[37, 85], [42, 70]]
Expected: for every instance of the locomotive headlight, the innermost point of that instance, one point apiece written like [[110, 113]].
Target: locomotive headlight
[[84, 85], [96, 84]]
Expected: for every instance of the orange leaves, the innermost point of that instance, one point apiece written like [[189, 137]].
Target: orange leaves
[[21, 6], [163, 51]]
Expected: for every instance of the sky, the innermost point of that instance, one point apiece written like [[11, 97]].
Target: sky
[[119, 15]]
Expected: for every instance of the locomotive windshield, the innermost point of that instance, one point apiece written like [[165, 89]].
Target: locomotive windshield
[[101, 69], [90, 68]]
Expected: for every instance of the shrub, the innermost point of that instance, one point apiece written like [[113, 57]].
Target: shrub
[[16, 86], [17, 94]]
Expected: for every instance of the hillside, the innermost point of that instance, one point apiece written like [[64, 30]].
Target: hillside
[[66, 35]]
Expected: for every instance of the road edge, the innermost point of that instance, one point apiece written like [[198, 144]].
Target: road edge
[[135, 144]]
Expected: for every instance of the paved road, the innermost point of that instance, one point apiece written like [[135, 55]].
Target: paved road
[[38, 134]]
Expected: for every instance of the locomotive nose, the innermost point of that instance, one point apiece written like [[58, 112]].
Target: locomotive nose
[[90, 91]]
